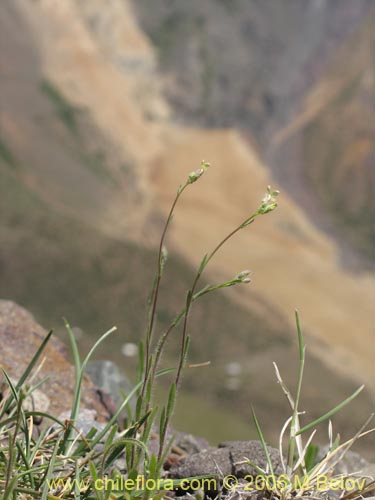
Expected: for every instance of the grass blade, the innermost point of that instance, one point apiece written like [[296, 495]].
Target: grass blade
[[329, 414], [34, 360], [74, 346], [263, 442], [293, 440]]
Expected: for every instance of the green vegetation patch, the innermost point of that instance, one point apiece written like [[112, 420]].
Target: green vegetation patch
[[7, 156], [66, 112]]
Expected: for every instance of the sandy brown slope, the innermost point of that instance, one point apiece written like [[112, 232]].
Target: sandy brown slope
[[295, 266], [108, 97]]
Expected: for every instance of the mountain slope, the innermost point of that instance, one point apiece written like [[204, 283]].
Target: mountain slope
[[271, 68], [89, 161], [295, 264]]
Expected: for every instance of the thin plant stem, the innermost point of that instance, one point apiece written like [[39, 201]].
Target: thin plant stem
[[195, 283], [156, 289], [186, 311]]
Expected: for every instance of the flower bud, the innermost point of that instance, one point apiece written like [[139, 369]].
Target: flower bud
[[269, 201], [194, 176], [243, 277]]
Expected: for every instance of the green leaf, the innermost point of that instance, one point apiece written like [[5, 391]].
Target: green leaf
[[203, 264], [263, 442], [94, 477], [84, 445], [152, 467], [49, 471], [141, 360], [115, 446], [34, 360], [74, 346], [186, 348], [310, 456], [78, 388], [329, 414], [77, 491], [171, 400], [149, 419], [77, 395], [162, 423]]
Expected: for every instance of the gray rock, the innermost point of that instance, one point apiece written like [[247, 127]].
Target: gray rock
[[242, 493], [190, 444], [226, 460], [253, 450], [37, 401], [351, 462], [212, 461], [369, 471], [107, 376], [85, 422], [183, 444]]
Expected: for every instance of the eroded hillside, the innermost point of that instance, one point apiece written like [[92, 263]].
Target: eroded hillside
[[90, 158]]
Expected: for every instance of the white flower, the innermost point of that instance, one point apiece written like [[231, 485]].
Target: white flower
[[243, 277], [194, 176], [269, 201]]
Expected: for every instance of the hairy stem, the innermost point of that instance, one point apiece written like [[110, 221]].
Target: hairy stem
[[156, 289]]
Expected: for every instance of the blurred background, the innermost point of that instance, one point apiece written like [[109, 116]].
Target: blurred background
[[107, 105]]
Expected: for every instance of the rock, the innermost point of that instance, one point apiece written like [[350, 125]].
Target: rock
[[351, 462], [190, 444], [242, 493], [369, 471], [20, 337], [212, 461], [226, 460], [86, 420], [37, 401], [253, 450], [107, 376], [184, 443]]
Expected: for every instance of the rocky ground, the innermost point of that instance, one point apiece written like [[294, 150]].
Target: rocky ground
[[190, 455]]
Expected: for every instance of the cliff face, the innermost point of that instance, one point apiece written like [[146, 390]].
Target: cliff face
[[91, 153]]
